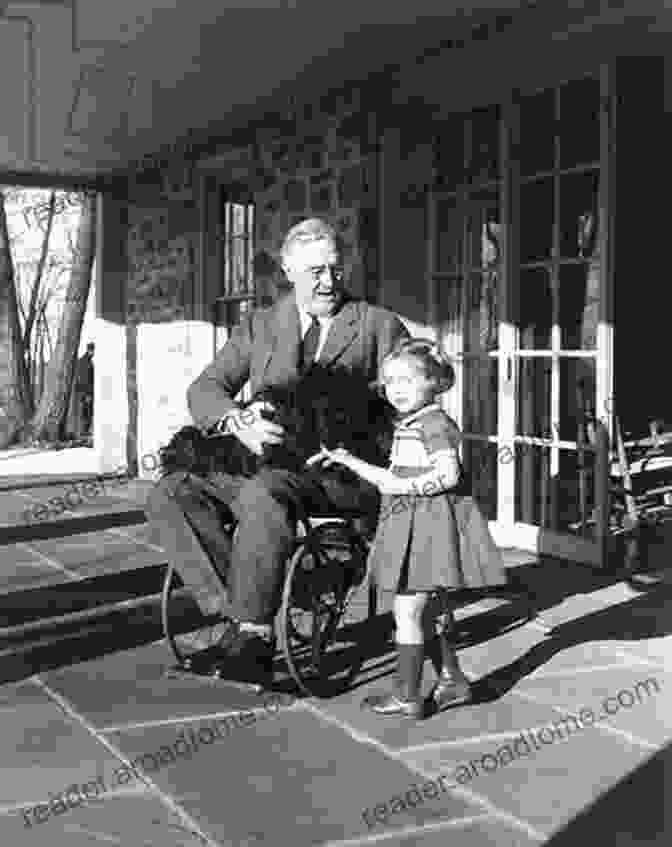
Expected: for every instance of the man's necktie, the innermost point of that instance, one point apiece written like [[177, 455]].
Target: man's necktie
[[311, 341]]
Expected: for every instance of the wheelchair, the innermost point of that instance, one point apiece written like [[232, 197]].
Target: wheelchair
[[325, 568]]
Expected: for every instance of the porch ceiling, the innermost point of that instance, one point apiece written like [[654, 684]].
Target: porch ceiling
[[89, 85]]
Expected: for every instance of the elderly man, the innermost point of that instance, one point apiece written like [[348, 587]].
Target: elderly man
[[316, 327]]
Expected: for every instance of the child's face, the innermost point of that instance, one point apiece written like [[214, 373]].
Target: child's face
[[406, 385]]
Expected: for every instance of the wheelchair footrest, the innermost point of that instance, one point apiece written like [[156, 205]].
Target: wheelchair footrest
[[209, 674]]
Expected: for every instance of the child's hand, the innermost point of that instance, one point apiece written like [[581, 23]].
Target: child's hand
[[338, 456]]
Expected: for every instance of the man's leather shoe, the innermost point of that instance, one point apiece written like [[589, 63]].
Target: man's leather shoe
[[243, 656]]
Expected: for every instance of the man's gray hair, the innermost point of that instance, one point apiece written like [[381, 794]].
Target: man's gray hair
[[312, 229]]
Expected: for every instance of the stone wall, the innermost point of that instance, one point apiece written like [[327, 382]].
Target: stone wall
[[327, 169], [162, 239], [320, 163]]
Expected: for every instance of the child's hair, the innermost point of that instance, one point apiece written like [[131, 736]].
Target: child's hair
[[436, 365]]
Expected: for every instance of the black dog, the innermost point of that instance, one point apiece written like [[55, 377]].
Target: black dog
[[349, 414]]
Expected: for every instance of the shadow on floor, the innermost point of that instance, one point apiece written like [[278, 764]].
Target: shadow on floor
[[364, 651], [633, 812]]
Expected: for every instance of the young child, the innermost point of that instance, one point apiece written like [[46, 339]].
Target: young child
[[430, 538]]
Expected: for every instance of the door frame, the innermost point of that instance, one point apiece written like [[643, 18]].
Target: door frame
[[509, 532]]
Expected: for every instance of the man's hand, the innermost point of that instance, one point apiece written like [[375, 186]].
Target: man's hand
[[252, 429]]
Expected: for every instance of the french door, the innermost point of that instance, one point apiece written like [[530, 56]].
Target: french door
[[517, 284]]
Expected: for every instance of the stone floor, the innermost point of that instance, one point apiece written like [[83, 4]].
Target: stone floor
[[512, 769]]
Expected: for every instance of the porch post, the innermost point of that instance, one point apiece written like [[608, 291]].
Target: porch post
[[110, 413]]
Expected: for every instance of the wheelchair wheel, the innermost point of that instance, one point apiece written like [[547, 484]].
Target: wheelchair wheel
[[191, 636], [326, 568]]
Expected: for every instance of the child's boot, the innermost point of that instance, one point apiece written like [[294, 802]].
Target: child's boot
[[453, 687], [405, 700]]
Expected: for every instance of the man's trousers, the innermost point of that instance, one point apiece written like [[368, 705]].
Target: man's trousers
[[190, 515]]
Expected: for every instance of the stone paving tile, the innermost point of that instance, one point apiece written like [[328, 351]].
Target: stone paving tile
[[22, 569], [297, 780], [142, 533], [12, 506], [644, 709], [486, 832], [128, 687], [42, 750], [636, 811], [656, 651], [114, 563], [16, 694], [579, 605], [550, 658], [120, 821], [547, 786], [500, 650], [93, 550], [506, 715]]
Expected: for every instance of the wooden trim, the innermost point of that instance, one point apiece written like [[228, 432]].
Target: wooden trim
[[547, 542], [431, 281], [50, 180], [199, 307], [604, 376], [508, 372]]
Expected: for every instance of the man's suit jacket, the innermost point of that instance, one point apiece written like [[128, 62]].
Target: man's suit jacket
[[265, 349]]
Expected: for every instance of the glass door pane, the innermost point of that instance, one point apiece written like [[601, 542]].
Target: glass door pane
[[556, 311]]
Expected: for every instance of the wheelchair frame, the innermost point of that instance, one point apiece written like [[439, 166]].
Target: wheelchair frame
[[326, 567]]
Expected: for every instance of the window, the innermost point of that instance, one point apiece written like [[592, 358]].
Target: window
[[236, 253]]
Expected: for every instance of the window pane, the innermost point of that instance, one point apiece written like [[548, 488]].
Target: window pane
[[537, 133], [536, 221], [534, 398], [578, 214], [579, 305], [575, 492], [480, 460], [239, 227], [448, 235], [449, 305], [535, 309], [480, 395], [577, 396], [580, 122], [227, 268], [483, 307], [239, 265], [555, 501], [484, 158], [483, 231], [532, 472], [449, 154]]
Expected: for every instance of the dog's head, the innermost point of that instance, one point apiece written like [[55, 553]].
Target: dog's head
[[188, 450]]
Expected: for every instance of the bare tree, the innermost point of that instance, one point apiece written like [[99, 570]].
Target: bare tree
[[37, 282], [19, 396], [50, 417]]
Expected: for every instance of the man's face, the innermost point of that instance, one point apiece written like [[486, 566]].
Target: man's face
[[316, 271]]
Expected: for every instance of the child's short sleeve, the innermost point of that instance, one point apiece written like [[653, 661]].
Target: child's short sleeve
[[439, 432]]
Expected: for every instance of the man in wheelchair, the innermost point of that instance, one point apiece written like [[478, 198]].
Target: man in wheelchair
[[312, 360]]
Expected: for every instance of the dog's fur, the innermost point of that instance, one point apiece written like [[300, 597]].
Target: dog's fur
[[334, 410]]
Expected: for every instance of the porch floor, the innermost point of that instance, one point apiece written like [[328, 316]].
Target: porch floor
[[323, 771]]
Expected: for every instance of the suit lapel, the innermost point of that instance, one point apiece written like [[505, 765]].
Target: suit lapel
[[281, 361], [280, 364], [342, 332]]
